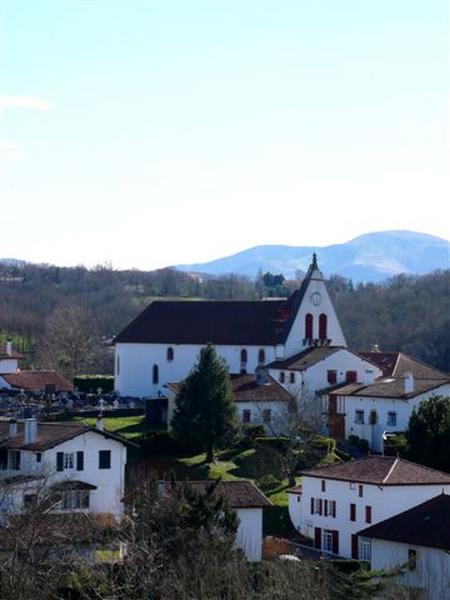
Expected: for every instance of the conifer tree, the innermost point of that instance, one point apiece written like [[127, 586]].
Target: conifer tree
[[205, 414]]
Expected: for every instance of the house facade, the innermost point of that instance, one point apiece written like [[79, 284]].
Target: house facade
[[87, 464], [336, 502]]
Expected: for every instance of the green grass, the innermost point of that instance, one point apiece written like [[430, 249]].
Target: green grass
[[129, 427]]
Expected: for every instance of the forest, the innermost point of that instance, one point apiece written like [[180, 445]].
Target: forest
[[64, 317]]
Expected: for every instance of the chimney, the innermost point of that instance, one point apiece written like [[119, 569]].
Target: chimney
[[30, 430], [375, 348], [12, 428], [409, 383], [9, 347], [99, 423], [369, 376]]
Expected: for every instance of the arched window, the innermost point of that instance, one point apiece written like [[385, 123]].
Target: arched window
[[155, 374], [308, 326], [243, 356], [323, 326], [169, 354], [261, 357]]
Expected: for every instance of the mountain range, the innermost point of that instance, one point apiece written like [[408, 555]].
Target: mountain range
[[370, 257]]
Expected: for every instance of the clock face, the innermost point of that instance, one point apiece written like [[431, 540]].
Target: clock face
[[316, 298]]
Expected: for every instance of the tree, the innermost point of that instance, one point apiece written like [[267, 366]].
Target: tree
[[428, 433], [205, 414]]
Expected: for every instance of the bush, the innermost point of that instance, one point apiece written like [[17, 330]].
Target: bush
[[396, 444], [277, 443], [350, 565], [262, 461], [360, 443], [253, 431], [268, 483], [160, 442], [90, 384]]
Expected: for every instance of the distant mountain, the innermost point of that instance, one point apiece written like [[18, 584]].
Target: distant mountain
[[369, 257], [12, 262]]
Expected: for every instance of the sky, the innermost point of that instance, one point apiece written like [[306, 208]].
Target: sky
[[144, 134]]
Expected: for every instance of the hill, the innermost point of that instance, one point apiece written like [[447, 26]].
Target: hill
[[370, 257]]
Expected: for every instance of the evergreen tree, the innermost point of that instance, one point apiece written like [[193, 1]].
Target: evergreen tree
[[205, 414], [428, 433]]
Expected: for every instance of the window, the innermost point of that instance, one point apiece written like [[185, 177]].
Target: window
[[364, 549], [246, 415], [64, 460], [170, 355], [360, 491], [292, 377], [412, 559], [80, 460], [318, 506], [74, 499], [261, 357], [392, 419], [309, 319], [359, 417], [281, 377], [14, 460], [104, 459], [373, 417], [351, 377], [155, 374], [327, 540], [352, 512], [323, 485], [266, 415], [38, 457], [68, 460], [332, 508], [118, 365], [368, 514], [243, 356], [323, 326], [332, 377]]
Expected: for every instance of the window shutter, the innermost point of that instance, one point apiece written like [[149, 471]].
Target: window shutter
[[354, 546], [368, 514], [352, 512], [80, 461], [325, 510], [312, 506], [334, 509], [60, 461], [317, 537], [335, 542], [320, 507]]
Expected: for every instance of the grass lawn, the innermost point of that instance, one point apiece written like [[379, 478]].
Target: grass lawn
[[129, 427]]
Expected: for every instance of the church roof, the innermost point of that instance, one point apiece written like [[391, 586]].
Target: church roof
[[264, 322], [303, 360]]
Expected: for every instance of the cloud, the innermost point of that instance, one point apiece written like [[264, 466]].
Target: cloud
[[25, 102]]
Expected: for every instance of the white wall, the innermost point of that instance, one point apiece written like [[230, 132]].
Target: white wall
[[249, 533], [279, 415], [383, 406], [385, 501], [7, 365], [432, 572], [136, 364]]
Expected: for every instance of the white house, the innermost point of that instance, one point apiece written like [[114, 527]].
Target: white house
[[416, 541], [335, 502], [86, 463], [374, 409], [259, 400], [9, 358], [162, 344], [249, 502]]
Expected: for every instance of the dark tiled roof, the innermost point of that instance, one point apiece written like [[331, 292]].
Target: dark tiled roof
[[304, 360], [246, 389], [389, 388], [37, 380], [427, 524], [397, 364], [74, 484], [381, 470], [49, 435], [265, 322], [240, 494], [295, 490]]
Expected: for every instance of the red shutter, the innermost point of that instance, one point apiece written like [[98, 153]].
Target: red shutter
[[317, 538], [332, 376], [351, 377], [320, 507], [312, 506], [323, 326], [325, 510], [335, 542], [368, 514], [354, 546]]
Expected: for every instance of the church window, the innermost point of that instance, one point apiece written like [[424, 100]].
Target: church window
[[170, 354], [282, 377], [323, 326], [155, 374], [373, 417], [308, 326], [261, 357]]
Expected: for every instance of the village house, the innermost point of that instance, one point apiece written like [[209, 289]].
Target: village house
[[416, 541], [334, 503], [87, 464], [249, 502]]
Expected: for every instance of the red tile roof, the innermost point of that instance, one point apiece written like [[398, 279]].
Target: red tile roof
[[381, 470], [240, 493], [37, 380], [427, 524], [397, 364], [389, 388]]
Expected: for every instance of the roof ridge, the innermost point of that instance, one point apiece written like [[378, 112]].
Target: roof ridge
[[394, 464], [410, 462]]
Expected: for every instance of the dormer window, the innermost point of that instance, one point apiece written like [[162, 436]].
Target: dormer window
[[309, 320], [170, 354]]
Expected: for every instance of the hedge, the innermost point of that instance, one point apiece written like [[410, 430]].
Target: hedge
[[92, 383]]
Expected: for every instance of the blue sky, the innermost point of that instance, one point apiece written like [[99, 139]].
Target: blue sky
[[155, 133]]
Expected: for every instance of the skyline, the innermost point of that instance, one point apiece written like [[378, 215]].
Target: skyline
[[149, 134]]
